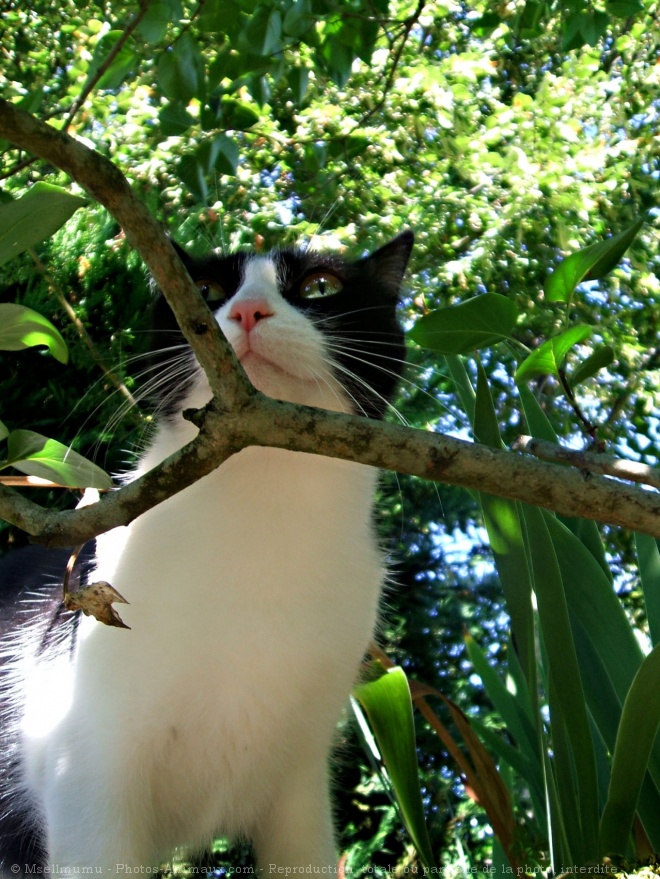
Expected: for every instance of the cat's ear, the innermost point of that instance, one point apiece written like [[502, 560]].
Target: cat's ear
[[389, 262]]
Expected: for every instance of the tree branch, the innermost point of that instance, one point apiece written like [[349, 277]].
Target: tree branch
[[239, 416], [594, 462], [265, 422]]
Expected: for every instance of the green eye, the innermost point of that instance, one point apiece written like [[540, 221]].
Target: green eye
[[320, 284], [212, 291]]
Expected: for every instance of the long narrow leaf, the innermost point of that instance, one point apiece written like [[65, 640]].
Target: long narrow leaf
[[568, 793], [463, 384], [649, 571], [517, 722], [482, 779], [564, 670], [538, 423], [387, 703], [502, 521], [640, 720], [38, 455], [486, 428]]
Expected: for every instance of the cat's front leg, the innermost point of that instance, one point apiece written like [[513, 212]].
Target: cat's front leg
[[297, 832]]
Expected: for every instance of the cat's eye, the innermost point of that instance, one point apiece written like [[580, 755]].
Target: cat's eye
[[320, 284], [212, 291]]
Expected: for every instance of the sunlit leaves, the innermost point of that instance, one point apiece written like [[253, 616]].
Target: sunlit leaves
[[37, 455], [34, 217], [387, 703], [22, 327]]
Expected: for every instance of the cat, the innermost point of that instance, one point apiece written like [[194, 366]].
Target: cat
[[253, 595]]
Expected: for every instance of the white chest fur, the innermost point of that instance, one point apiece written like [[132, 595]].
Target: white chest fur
[[253, 595]]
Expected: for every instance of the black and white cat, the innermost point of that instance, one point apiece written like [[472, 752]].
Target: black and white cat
[[253, 596]]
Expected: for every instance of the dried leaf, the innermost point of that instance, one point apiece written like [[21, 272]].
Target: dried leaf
[[96, 601]]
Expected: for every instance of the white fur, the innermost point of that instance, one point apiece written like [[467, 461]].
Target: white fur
[[253, 596]]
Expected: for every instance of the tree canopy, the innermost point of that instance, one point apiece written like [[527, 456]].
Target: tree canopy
[[520, 142]]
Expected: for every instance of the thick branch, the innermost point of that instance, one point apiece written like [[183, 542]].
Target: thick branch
[[266, 422]]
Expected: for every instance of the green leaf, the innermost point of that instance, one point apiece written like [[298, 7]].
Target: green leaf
[[510, 709], [4, 431], [153, 26], [298, 81], [649, 570], [601, 357], [624, 8], [21, 327], [589, 264], [486, 428], [387, 703], [538, 424], [220, 17], [262, 35], [564, 669], [38, 455], [238, 115], [181, 70], [298, 19], [224, 154], [259, 89], [37, 215], [464, 388], [639, 724], [502, 520], [338, 59], [174, 119], [460, 329], [548, 357], [193, 175]]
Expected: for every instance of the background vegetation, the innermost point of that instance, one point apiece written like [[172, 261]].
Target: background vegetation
[[506, 135]]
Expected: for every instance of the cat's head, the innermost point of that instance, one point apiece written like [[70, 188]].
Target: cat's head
[[309, 327]]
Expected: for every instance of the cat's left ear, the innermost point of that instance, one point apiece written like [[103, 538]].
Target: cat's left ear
[[389, 262]]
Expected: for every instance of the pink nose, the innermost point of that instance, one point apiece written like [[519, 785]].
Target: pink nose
[[248, 312]]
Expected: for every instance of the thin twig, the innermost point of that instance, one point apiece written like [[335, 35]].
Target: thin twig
[[408, 25], [106, 63], [594, 462]]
